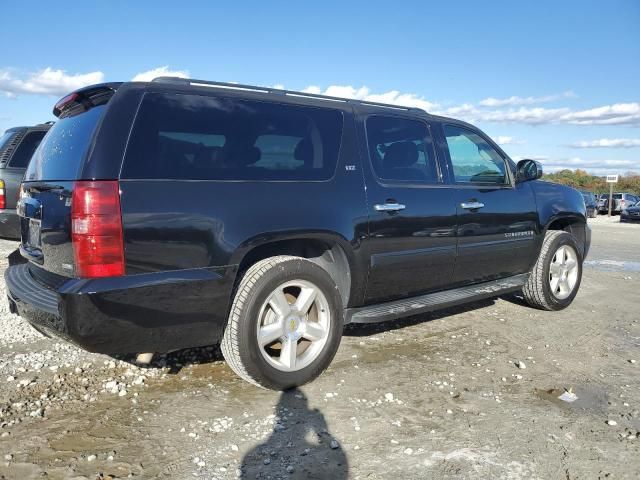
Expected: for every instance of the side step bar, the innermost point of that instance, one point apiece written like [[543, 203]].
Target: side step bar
[[434, 301]]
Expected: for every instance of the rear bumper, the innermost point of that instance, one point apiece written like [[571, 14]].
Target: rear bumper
[[9, 224], [629, 218], [154, 312]]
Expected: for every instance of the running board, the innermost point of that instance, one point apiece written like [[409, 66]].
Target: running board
[[433, 301]]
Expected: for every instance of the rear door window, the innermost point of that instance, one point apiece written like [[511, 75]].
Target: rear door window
[[25, 150], [62, 151], [198, 137], [401, 149]]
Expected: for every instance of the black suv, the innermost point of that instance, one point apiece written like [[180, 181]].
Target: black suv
[[16, 148], [179, 213]]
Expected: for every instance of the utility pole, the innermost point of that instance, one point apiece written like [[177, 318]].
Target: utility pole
[[611, 179]]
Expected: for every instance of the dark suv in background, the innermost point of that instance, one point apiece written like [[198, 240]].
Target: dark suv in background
[[179, 213], [16, 148]]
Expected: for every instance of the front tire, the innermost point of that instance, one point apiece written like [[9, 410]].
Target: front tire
[[556, 276], [285, 324]]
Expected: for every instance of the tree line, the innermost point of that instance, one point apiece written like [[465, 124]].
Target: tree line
[[581, 180]]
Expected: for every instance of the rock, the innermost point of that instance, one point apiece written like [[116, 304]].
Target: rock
[[234, 447], [408, 451], [388, 397], [8, 457], [632, 361], [521, 365], [613, 423], [334, 444], [266, 461], [290, 469], [91, 458], [10, 378]]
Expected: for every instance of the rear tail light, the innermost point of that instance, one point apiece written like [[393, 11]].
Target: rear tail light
[[96, 229], [3, 195]]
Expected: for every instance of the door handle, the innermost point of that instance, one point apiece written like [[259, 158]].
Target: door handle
[[389, 207], [471, 205]]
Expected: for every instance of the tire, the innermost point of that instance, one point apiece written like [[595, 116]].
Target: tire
[[538, 290], [252, 307]]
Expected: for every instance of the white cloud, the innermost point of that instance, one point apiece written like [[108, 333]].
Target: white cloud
[[616, 114], [593, 166], [515, 100], [608, 143], [392, 97], [160, 72], [506, 140], [45, 82]]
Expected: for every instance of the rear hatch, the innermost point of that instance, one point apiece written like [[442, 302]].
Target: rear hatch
[[52, 184]]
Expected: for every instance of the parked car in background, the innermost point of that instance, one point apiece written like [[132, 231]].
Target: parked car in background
[[626, 200], [620, 200], [182, 213], [17, 145], [630, 214], [591, 203]]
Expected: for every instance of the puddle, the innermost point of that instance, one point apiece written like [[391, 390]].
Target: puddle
[[613, 265], [589, 397]]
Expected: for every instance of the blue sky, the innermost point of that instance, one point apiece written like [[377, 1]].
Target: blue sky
[[556, 81]]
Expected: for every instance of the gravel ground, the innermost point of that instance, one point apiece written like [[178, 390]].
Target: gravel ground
[[469, 392]]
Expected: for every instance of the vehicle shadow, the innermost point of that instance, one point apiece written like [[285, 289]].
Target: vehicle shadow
[[300, 445]]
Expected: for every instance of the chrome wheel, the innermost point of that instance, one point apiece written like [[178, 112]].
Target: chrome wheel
[[293, 325], [563, 272]]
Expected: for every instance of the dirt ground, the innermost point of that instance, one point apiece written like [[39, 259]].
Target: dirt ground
[[435, 396]]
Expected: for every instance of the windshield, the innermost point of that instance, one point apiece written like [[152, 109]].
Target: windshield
[[61, 153]]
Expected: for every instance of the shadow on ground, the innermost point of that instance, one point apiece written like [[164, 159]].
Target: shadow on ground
[[300, 445]]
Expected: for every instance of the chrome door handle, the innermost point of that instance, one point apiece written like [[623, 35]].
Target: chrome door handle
[[389, 207], [471, 205]]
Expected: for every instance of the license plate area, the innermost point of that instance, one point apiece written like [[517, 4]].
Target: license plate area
[[33, 238]]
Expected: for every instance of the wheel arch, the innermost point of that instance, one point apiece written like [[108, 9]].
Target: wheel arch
[[571, 223], [330, 251]]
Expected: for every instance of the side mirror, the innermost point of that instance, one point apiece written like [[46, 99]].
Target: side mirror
[[528, 170]]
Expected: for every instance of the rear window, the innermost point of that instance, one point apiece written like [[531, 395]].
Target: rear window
[[211, 138], [60, 154], [24, 152], [4, 139]]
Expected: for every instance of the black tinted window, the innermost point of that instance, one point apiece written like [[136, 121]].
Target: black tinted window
[[472, 158], [401, 149], [61, 152], [4, 139], [201, 137], [23, 153]]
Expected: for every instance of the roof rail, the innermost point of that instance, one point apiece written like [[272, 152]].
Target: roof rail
[[277, 91]]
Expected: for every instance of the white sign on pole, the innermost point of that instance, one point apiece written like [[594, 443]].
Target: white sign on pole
[[612, 178]]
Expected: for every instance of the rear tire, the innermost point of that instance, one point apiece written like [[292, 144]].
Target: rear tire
[[285, 323], [556, 276]]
